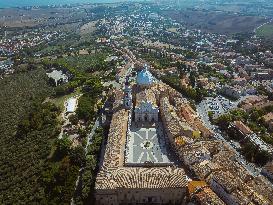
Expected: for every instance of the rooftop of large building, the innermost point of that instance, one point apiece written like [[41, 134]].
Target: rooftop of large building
[[201, 192], [114, 175], [244, 129], [142, 178], [146, 95], [144, 77]]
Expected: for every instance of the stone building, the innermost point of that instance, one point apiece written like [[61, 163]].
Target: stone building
[[146, 109], [127, 98], [117, 184]]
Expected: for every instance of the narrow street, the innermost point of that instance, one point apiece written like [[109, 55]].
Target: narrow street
[[89, 141], [91, 134]]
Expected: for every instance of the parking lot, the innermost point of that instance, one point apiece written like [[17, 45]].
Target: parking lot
[[218, 105]]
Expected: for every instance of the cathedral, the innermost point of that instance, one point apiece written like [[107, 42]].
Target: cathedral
[[146, 109], [137, 167]]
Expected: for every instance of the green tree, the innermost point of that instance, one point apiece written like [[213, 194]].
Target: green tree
[[262, 157], [192, 78], [224, 120], [63, 147], [73, 119], [77, 156], [93, 87]]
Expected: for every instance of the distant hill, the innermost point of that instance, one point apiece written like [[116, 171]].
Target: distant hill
[[217, 22], [247, 7]]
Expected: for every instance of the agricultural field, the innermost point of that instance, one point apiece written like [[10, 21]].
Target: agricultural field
[[19, 18], [88, 28], [266, 31], [246, 7]]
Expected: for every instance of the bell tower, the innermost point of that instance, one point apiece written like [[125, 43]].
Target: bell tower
[[127, 99]]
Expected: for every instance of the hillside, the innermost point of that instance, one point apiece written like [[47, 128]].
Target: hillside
[[216, 22]]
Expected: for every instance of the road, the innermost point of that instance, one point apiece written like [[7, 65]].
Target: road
[[91, 134], [252, 168]]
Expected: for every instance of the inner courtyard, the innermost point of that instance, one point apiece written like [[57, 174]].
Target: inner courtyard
[[147, 145]]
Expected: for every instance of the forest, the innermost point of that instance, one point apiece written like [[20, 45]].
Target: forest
[[35, 166], [27, 129]]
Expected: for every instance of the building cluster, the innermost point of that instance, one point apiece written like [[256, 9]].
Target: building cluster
[[244, 132], [214, 163], [221, 177], [201, 193], [117, 184], [12, 45], [6, 65], [122, 182], [255, 102], [218, 175], [243, 73]]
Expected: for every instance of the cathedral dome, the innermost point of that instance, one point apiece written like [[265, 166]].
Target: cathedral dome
[[145, 78]]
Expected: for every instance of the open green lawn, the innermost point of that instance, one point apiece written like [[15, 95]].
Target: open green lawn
[[266, 31], [59, 101]]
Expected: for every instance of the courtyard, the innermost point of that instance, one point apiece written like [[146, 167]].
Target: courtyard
[[146, 145]]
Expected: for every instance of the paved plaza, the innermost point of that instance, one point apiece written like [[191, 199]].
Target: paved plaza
[[146, 145]]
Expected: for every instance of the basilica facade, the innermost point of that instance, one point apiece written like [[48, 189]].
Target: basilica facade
[[145, 107]]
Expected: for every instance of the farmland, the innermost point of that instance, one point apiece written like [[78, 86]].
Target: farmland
[[266, 31]]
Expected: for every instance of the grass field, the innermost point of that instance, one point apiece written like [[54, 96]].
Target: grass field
[[266, 31], [88, 28], [59, 101]]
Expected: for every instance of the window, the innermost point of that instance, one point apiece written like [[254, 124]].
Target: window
[[150, 199]]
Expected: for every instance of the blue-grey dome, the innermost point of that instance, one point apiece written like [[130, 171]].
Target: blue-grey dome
[[145, 77]]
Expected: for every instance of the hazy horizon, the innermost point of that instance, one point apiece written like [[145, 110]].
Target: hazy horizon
[[20, 3]]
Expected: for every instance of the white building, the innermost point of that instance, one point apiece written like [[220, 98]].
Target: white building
[[71, 105], [58, 76], [146, 109]]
